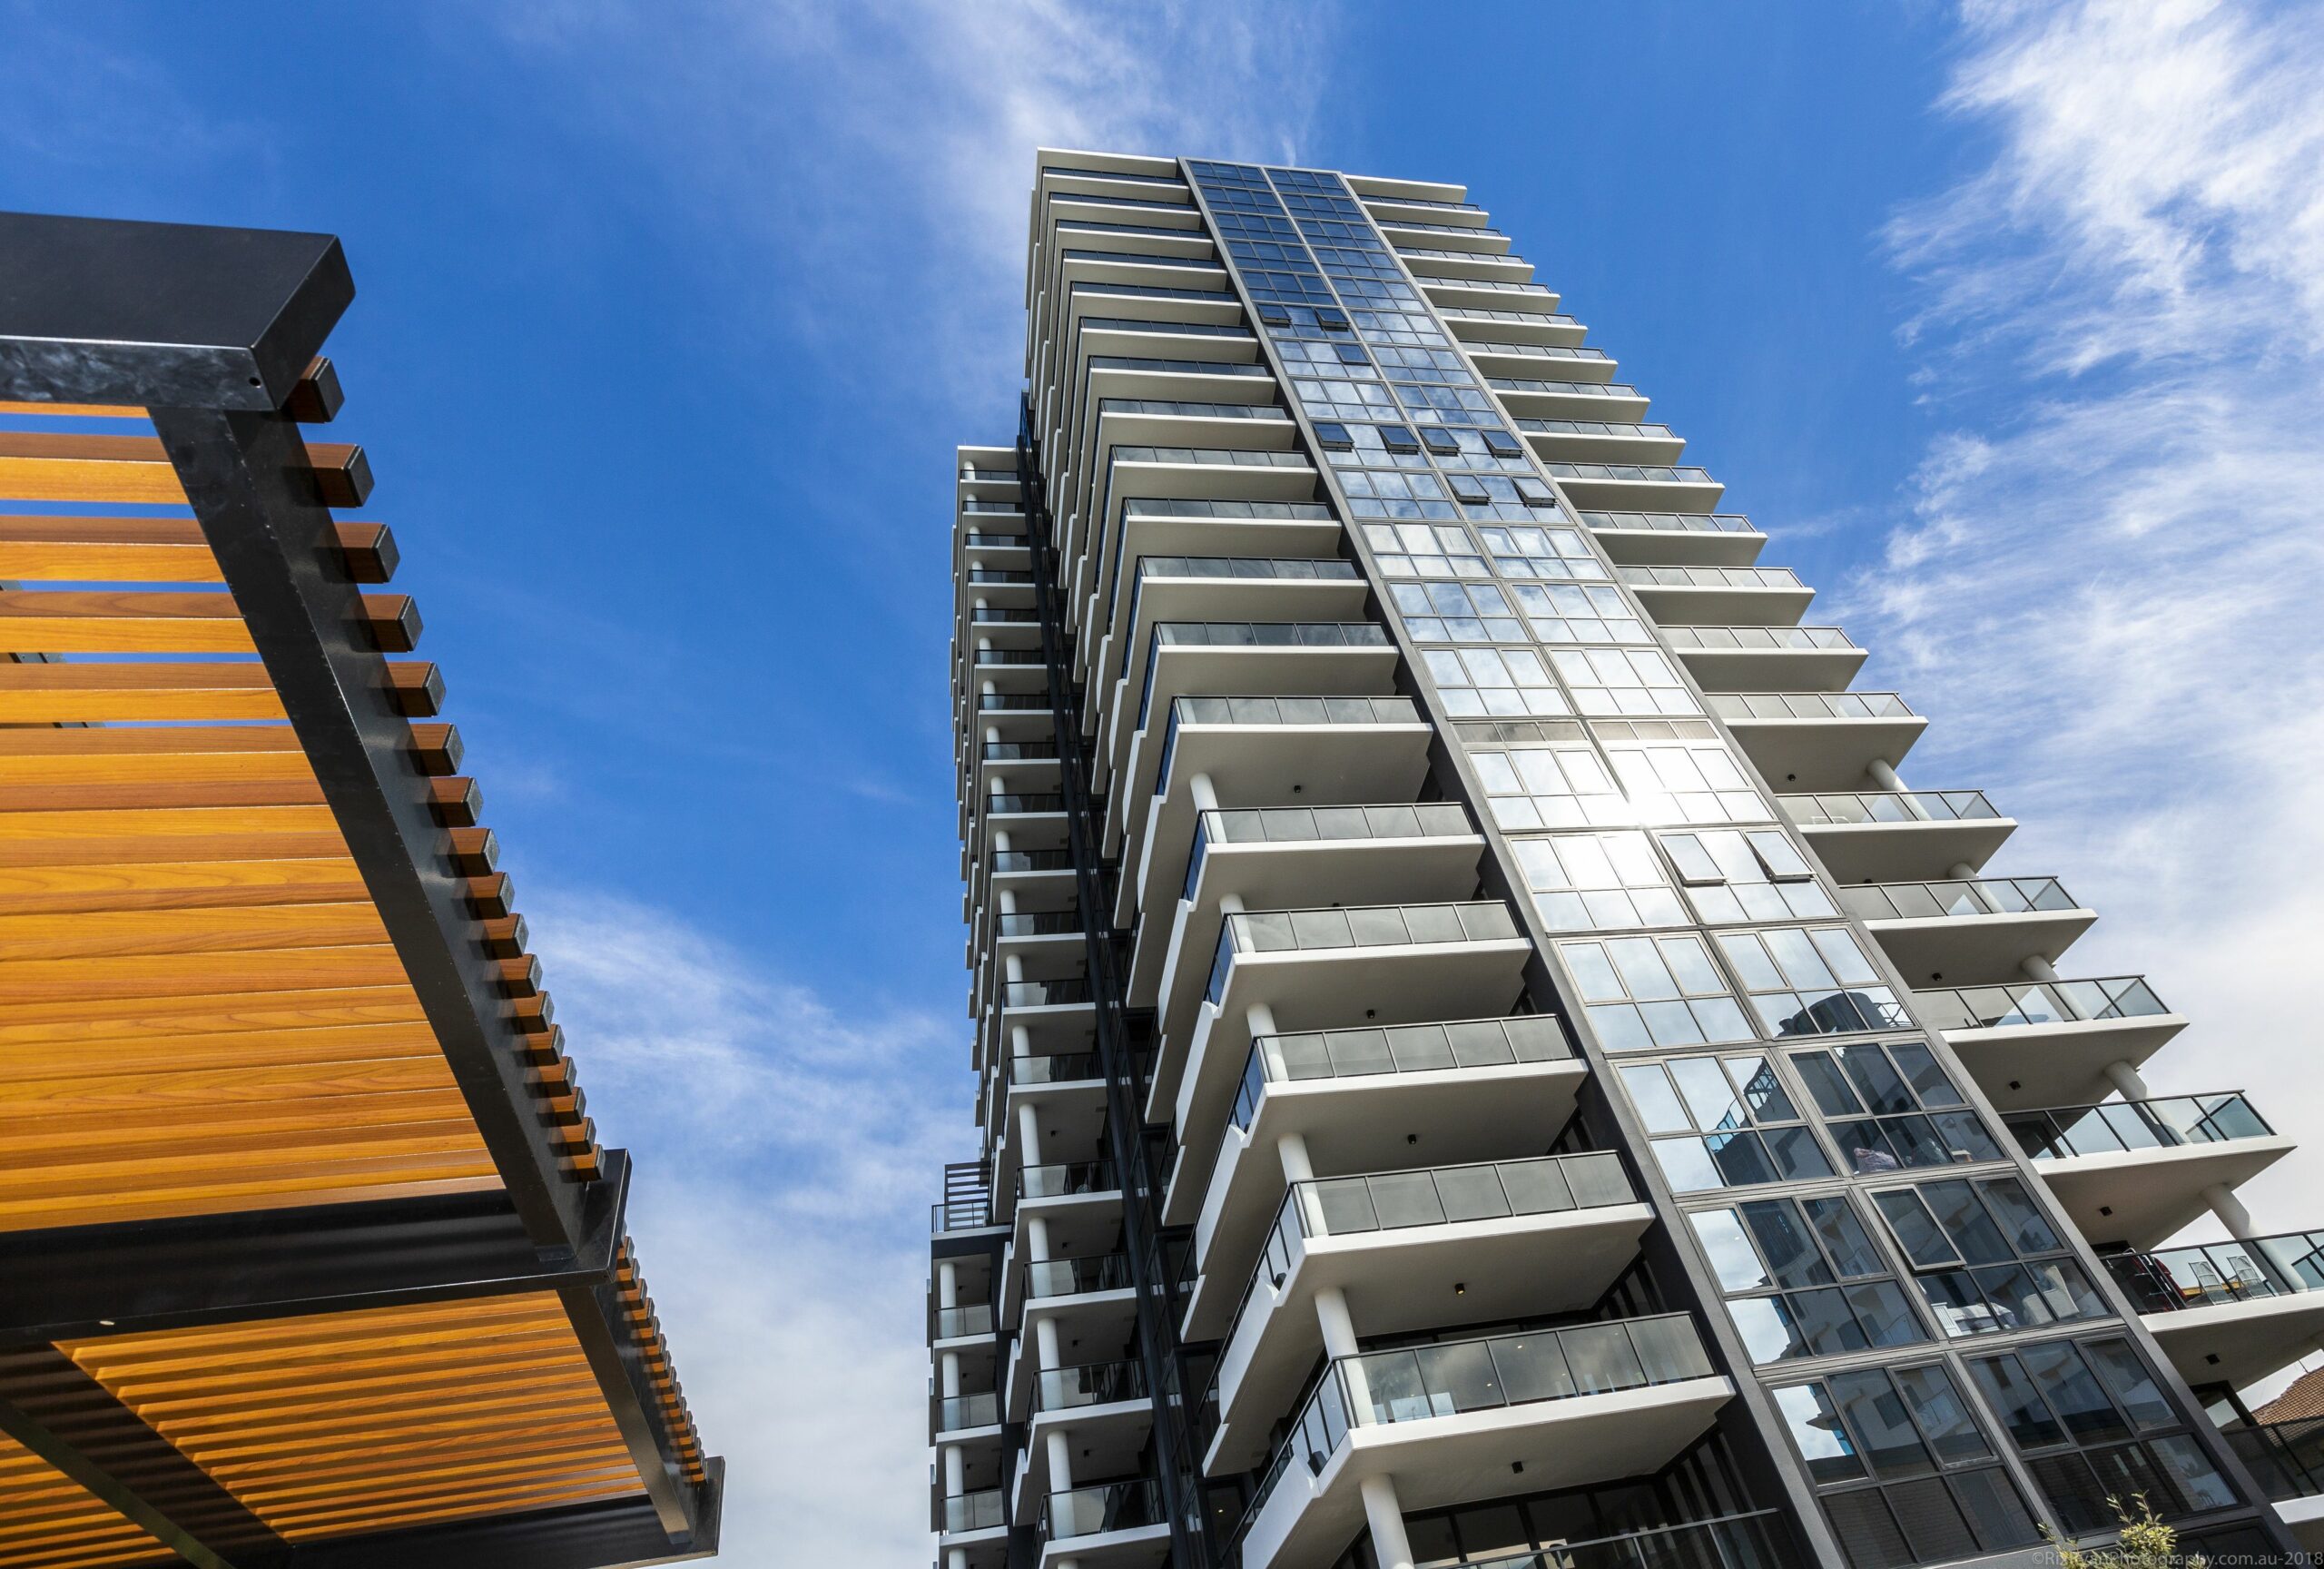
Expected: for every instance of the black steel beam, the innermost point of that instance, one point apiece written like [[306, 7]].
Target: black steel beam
[[177, 315], [86, 1281], [245, 474], [588, 1536], [599, 1322], [74, 1424]]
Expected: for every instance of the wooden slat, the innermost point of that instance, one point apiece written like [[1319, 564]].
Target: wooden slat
[[246, 971], [163, 621], [62, 1088], [154, 550], [177, 885], [117, 934], [354, 1182], [53, 466], [190, 833], [108, 1018], [145, 1058]]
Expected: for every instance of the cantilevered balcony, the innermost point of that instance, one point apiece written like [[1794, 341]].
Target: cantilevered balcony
[[1983, 929], [1473, 292], [1582, 398], [1409, 1250], [974, 1526], [1453, 236], [1272, 857], [1675, 538], [2031, 1044], [1481, 328], [1260, 750], [1089, 1294], [1681, 595], [1106, 1525], [1181, 529], [1428, 262], [2287, 1459], [2135, 1171], [1105, 1409], [2229, 1312], [1364, 1099], [1320, 969], [1138, 509], [1818, 740], [1196, 658], [1767, 658], [1621, 486], [1452, 1421], [1897, 835]]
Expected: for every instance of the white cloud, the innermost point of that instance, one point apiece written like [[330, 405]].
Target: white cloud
[[2106, 588], [786, 1155]]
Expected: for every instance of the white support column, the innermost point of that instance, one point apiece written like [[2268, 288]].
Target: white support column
[[956, 1474], [1060, 1443], [1037, 1241], [956, 1558], [1021, 1041], [1385, 1515], [1008, 901], [947, 1284], [949, 1376], [2230, 1211], [1029, 1136], [2126, 1080], [1047, 1356], [1014, 970], [1884, 775], [1332, 1318], [1292, 1150], [1963, 872], [2037, 968], [1204, 795], [1259, 1015]]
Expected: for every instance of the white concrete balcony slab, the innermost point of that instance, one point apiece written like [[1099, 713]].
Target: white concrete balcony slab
[[1110, 1526], [1319, 969], [1766, 658], [1103, 1407], [1274, 857], [1149, 270], [1089, 1294], [2134, 1171], [1446, 236], [1584, 441], [2229, 1312], [1595, 1403], [1259, 750], [1675, 538], [1429, 263], [1899, 835], [974, 1526], [1636, 487], [1367, 1100], [2032, 1045], [1577, 397], [1533, 298], [1818, 740], [1481, 329], [1409, 1250], [1977, 931]]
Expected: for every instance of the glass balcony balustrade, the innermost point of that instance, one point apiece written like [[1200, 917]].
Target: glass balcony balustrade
[[1759, 1540], [1709, 577], [1020, 657], [993, 615], [1657, 473], [1975, 896], [1430, 1196], [1277, 711], [1177, 366], [1807, 705], [1621, 389], [1463, 1376], [1063, 1179], [2037, 1002], [1093, 1384], [1031, 861], [1756, 638], [958, 1413], [1001, 506], [1596, 428], [1180, 409], [1321, 1054], [1054, 1068], [1851, 806], [1095, 1511], [1009, 804], [1371, 926], [2286, 1458], [1166, 329], [1045, 993], [1013, 703], [1314, 824], [1211, 456], [1670, 522], [995, 541], [1495, 286], [1038, 924], [974, 1512], [2170, 1278], [2118, 1127], [967, 1318], [1075, 1276], [1018, 751]]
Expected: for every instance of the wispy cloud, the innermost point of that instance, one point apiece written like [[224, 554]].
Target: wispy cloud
[[785, 1154], [2106, 587]]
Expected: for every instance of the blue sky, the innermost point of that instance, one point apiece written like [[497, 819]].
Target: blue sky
[[2007, 321]]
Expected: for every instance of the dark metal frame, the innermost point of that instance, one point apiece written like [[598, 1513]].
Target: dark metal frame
[[215, 332]]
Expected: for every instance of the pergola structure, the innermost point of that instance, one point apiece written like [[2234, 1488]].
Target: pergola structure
[[309, 1258]]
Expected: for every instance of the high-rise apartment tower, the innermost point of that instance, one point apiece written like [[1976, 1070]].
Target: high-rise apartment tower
[[1481, 1057]]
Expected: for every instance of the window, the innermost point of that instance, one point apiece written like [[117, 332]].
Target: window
[[1377, 493], [1984, 1258], [1811, 980], [1532, 494], [1501, 444], [1450, 613], [2090, 1421], [1420, 550], [1556, 555], [1572, 612], [1493, 681], [1684, 782], [1469, 491], [1274, 316], [1333, 436], [1396, 439], [1802, 1279], [1719, 1122], [1907, 1475], [1751, 874], [1891, 1106], [1331, 319], [1622, 681], [1588, 882], [1352, 354], [1641, 993], [1439, 441], [1559, 786]]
